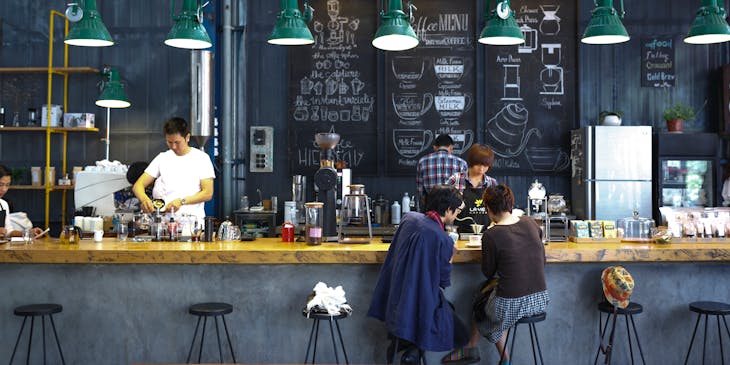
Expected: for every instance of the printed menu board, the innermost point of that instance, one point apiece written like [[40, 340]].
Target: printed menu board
[[332, 87]]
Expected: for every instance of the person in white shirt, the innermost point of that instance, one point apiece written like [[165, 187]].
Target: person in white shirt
[[183, 176], [7, 229]]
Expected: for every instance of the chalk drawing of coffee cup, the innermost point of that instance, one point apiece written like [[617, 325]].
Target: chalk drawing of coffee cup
[[301, 113], [462, 140], [452, 105], [507, 132], [410, 142], [547, 158], [411, 106], [407, 68], [450, 69]]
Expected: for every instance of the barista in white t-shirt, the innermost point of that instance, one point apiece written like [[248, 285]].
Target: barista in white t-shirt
[[183, 175]]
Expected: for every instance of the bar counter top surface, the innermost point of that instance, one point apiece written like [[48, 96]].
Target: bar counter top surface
[[273, 251]]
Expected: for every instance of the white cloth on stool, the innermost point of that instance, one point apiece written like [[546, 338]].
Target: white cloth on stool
[[329, 299]]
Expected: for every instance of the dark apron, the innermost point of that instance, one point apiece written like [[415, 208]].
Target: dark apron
[[475, 208], [3, 214]]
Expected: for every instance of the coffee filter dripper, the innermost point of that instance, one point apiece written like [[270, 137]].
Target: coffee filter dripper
[[477, 228]]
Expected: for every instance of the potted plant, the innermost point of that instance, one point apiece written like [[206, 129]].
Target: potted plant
[[610, 117], [676, 114]]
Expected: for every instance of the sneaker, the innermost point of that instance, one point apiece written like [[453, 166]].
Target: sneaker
[[462, 356]]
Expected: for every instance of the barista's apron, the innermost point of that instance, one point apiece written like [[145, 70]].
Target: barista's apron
[[3, 214], [474, 208]]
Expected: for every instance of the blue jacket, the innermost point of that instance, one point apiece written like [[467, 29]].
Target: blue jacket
[[408, 295]]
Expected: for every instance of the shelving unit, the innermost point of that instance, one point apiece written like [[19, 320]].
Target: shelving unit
[[51, 71]]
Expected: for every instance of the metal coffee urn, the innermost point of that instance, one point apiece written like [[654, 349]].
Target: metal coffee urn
[[326, 181]]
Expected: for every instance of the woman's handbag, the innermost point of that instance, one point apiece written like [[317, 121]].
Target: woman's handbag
[[482, 297]]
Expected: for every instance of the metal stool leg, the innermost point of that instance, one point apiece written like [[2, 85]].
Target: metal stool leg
[[43, 337], [686, 359], [192, 344], [603, 334], [316, 337], [628, 335], [218, 336], [30, 340], [334, 345], [15, 348], [504, 348], [202, 339], [719, 336], [229, 338], [530, 327], [342, 343], [309, 344], [638, 343], [704, 342], [539, 350], [55, 335]]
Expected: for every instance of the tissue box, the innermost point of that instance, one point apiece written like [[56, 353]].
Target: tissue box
[[78, 120], [55, 115]]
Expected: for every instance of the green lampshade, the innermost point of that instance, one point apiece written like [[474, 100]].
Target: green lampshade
[[188, 32], [709, 25], [291, 27], [501, 28], [113, 95], [395, 32], [90, 31], [605, 26]]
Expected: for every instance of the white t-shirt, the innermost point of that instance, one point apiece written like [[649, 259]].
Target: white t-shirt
[[4, 206], [179, 177]]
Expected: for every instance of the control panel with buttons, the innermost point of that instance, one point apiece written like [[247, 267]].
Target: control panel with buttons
[[262, 149]]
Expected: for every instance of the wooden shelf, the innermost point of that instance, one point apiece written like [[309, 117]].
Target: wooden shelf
[[43, 129], [80, 69], [41, 187]]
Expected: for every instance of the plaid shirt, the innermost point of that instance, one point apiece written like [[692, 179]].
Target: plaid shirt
[[436, 167]]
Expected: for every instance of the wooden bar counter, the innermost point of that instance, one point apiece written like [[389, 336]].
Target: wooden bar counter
[[272, 251]]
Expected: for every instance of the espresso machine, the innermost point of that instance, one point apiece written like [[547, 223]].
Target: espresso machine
[[355, 213], [325, 180]]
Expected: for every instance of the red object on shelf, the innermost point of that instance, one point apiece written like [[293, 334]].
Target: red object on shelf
[[287, 232]]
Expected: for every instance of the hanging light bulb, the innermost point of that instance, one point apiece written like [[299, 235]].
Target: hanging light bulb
[[395, 32], [291, 25], [605, 26], [501, 28], [188, 31], [87, 30], [112, 94], [709, 25]]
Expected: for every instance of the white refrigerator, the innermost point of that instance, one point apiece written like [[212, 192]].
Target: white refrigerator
[[611, 171]]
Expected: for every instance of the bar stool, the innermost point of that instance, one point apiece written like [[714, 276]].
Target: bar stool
[[530, 321], [215, 310], [32, 311], [628, 313], [399, 344], [318, 316], [707, 309]]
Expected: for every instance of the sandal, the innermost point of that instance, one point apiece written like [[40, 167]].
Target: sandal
[[462, 356]]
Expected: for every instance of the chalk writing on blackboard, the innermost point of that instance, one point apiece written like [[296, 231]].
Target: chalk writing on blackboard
[[447, 30], [657, 62]]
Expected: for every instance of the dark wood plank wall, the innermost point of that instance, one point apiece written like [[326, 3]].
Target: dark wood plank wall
[[157, 79]]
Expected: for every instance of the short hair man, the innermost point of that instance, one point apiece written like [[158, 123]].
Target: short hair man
[[408, 295], [436, 167]]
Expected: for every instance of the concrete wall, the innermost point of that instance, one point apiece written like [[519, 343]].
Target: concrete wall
[[125, 314]]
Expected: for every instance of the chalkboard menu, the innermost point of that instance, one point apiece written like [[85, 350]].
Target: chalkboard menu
[[657, 62], [332, 87], [530, 101], [430, 89]]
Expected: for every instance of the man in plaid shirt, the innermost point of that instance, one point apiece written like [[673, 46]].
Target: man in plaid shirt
[[436, 167]]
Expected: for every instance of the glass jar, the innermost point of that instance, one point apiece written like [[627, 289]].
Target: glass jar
[[556, 204], [313, 223]]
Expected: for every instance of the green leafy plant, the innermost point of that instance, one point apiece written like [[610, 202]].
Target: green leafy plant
[[679, 111]]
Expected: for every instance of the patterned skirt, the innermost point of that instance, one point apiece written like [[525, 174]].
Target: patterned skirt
[[502, 313]]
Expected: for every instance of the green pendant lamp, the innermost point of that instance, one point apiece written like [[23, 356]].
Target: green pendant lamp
[[501, 28], [291, 25], [87, 30], [112, 95], [605, 26], [188, 31], [395, 32], [709, 25]]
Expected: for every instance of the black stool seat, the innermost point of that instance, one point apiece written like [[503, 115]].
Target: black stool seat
[[38, 309], [711, 308], [631, 309], [707, 309], [314, 333], [33, 311], [534, 340], [533, 319], [210, 309], [215, 310]]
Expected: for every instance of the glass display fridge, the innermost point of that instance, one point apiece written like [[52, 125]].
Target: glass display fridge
[[687, 171]]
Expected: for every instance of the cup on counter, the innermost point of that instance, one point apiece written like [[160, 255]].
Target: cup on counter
[[98, 235], [28, 236], [122, 231]]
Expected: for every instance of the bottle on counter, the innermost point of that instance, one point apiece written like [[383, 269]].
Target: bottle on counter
[[405, 203], [172, 228], [395, 213]]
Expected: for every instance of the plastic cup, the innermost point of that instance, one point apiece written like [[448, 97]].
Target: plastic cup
[[122, 231]]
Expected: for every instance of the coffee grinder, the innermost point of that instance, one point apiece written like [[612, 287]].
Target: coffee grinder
[[326, 181]]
